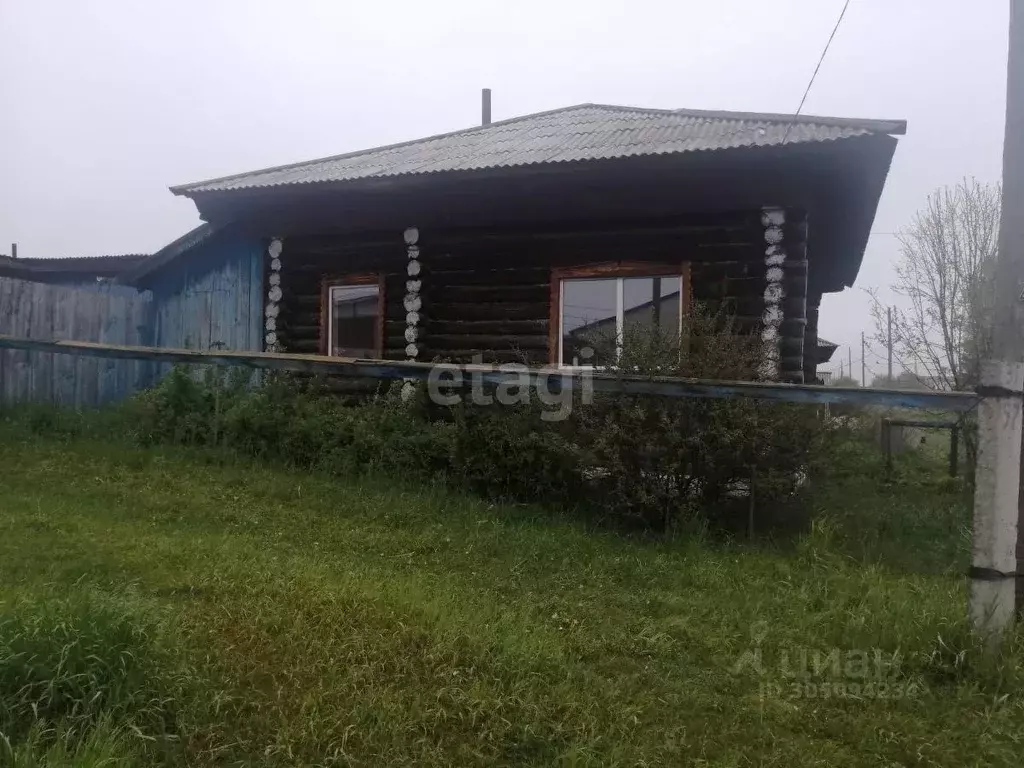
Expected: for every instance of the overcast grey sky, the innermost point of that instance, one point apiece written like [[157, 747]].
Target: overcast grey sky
[[107, 102]]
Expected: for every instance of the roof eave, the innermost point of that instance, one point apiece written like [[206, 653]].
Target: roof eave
[[879, 172], [168, 253]]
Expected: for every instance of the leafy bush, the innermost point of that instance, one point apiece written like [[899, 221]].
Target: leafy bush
[[664, 461], [510, 453], [184, 408], [653, 462], [502, 453]]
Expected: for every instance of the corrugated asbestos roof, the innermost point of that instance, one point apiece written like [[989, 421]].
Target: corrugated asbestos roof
[[583, 132], [100, 265]]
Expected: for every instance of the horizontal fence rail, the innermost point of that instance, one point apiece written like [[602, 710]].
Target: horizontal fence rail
[[551, 378]]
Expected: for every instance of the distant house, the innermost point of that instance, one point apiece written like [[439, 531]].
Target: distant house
[[82, 270], [825, 351], [505, 240]]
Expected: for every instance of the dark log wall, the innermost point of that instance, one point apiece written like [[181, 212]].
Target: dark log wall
[[811, 340], [307, 261], [487, 294]]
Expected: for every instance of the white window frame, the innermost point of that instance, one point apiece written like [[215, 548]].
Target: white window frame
[[361, 281], [620, 314]]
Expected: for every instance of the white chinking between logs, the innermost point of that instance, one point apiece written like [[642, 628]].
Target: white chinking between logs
[[772, 219], [273, 308], [413, 303]]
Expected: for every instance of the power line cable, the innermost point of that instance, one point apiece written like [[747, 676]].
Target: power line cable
[[807, 90]]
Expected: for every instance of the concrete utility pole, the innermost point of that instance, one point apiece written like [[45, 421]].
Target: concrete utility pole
[[863, 381], [888, 341], [997, 482]]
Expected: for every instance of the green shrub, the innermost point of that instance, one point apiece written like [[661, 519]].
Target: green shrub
[[385, 436], [666, 461], [173, 411], [510, 453], [653, 462], [304, 427]]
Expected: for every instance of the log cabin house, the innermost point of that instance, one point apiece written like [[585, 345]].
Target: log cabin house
[[504, 240]]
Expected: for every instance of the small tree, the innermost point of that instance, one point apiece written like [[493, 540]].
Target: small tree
[[944, 272]]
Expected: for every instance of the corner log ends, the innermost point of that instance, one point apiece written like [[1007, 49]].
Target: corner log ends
[[785, 234], [271, 341]]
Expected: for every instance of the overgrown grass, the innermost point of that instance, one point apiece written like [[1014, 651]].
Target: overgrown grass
[[72, 658], [915, 518], [233, 613], [104, 746]]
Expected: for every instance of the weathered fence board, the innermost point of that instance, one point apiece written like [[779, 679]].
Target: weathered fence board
[[551, 378], [95, 313]]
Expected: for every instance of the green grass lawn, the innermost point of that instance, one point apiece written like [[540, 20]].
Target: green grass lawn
[[199, 610]]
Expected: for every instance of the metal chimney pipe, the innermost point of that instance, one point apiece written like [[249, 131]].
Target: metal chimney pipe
[[485, 118], [14, 250]]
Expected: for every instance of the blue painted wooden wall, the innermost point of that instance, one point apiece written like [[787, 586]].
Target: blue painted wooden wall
[[211, 297]]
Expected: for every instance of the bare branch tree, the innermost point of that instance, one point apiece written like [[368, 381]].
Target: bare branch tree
[[944, 272]]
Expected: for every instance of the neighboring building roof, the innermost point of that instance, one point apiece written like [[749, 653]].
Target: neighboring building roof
[[92, 266], [825, 350], [582, 132], [168, 253]]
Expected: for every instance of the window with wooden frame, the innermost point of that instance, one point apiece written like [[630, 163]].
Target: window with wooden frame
[[352, 316], [594, 307]]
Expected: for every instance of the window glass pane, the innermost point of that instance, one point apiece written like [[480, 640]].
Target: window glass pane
[[651, 301], [588, 321], [355, 311]]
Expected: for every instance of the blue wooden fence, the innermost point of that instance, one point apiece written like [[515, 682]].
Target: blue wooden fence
[[211, 299], [104, 313]]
